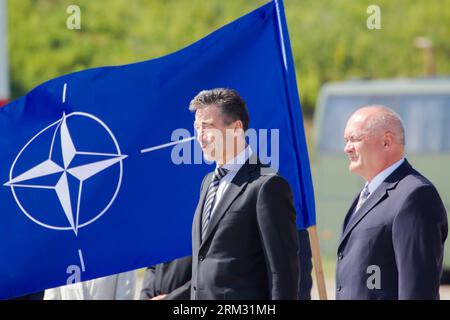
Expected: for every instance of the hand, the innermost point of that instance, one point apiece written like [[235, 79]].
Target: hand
[[160, 297]]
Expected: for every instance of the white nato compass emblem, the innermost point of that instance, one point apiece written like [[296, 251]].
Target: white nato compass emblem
[[74, 159]]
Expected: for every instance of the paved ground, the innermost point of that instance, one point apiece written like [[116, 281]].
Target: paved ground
[[329, 283], [330, 286]]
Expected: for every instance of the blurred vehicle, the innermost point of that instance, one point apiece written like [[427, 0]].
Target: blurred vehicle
[[424, 106]]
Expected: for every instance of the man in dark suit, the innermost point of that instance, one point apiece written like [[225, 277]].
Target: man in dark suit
[[163, 278], [244, 236], [393, 237]]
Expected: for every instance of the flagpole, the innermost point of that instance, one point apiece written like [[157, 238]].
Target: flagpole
[[317, 262]]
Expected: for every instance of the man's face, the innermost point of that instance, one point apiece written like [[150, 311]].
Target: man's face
[[211, 133], [364, 149]]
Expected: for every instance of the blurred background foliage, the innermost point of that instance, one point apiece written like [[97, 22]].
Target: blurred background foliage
[[329, 38]]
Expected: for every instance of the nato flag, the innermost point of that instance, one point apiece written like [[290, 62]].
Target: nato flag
[[99, 173]]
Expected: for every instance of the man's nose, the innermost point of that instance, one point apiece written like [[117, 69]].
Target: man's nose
[[199, 136], [348, 146]]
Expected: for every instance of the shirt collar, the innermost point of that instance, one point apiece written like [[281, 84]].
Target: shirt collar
[[238, 161], [379, 178]]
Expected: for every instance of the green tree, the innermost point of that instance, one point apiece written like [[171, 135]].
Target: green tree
[[330, 40]]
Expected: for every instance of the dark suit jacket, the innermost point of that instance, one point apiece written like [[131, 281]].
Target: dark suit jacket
[[163, 278], [401, 229], [305, 263], [250, 248]]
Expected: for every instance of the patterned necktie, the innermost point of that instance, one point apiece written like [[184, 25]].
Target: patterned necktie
[[362, 197], [219, 173]]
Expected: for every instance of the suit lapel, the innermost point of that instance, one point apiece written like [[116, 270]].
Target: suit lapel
[[379, 195], [235, 188], [349, 212]]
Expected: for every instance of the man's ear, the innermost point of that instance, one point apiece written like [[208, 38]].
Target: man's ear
[[388, 140], [239, 125]]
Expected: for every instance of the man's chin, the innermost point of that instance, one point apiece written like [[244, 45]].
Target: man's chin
[[353, 167], [208, 157]]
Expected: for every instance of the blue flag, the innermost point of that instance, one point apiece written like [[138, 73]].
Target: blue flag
[[100, 172]]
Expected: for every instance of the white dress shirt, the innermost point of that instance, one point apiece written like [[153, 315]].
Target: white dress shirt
[[233, 166], [379, 178]]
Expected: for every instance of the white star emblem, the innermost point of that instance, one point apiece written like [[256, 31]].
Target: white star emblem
[[62, 187]]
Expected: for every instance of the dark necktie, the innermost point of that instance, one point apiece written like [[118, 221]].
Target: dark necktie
[[219, 173]]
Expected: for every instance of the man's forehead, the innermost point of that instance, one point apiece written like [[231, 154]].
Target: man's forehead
[[206, 114], [358, 117], [354, 128]]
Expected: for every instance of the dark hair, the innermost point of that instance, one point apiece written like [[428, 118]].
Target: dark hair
[[230, 103]]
